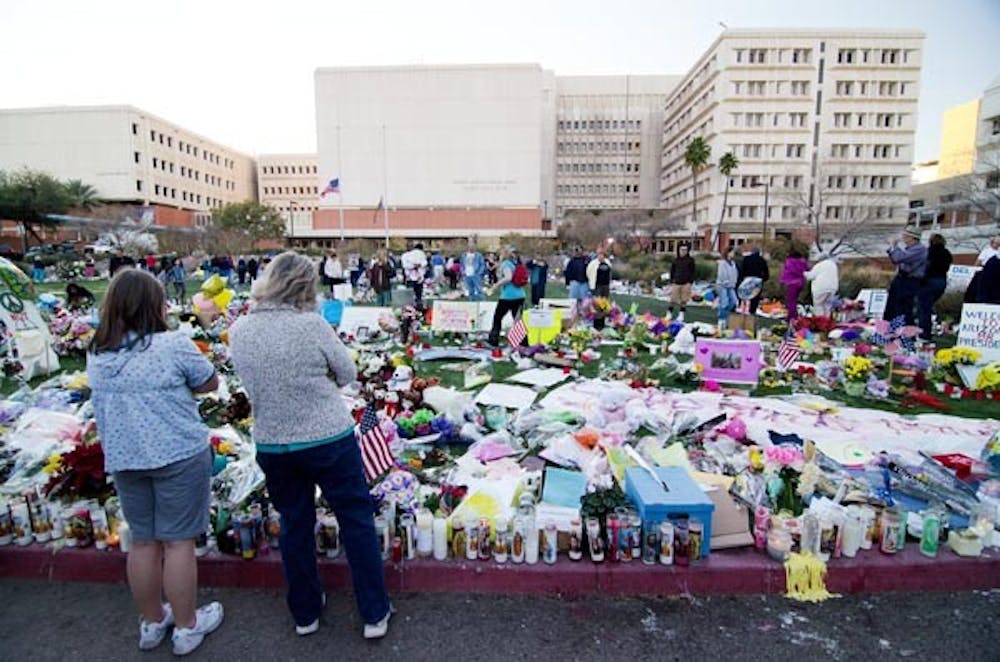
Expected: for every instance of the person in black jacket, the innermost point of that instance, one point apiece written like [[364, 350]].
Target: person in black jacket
[[934, 283], [985, 285], [754, 266], [681, 277], [576, 277]]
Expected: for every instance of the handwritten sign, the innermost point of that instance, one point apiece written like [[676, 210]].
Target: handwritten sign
[[454, 316], [543, 325], [980, 329], [960, 275], [874, 300], [361, 316]]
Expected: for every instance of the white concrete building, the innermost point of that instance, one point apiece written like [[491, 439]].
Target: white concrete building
[[825, 118], [988, 136], [129, 156], [608, 141], [288, 182]]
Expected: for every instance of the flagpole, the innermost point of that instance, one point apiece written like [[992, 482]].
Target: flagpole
[[385, 189], [340, 195]]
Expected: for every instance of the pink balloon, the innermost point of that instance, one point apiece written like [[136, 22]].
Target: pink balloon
[[882, 327]]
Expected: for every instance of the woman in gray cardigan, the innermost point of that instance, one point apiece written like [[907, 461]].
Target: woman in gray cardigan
[[292, 363]]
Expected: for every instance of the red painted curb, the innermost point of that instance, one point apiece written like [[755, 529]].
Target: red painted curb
[[729, 572]]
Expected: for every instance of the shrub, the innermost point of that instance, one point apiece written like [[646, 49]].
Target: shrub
[[858, 275], [949, 306]]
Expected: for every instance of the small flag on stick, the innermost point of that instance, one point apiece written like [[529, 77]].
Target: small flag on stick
[[517, 333], [375, 454], [788, 353]]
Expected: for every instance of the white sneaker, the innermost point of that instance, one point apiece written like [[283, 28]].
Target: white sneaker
[[151, 634], [207, 620], [378, 630], [303, 630]]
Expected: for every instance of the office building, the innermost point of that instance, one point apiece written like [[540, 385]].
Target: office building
[[822, 122], [129, 156]]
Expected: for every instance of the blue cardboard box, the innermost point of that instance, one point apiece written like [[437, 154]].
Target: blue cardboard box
[[683, 496]]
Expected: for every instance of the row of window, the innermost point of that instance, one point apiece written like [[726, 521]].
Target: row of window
[[596, 168], [862, 151], [692, 109], [995, 126], [596, 189], [761, 120], [291, 190], [595, 147], [688, 88], [599, 125], [170, 192], [773, 55], [186, 148], [190, 173], [297, 208], [859, 213], [878, 120], [873, 56], [759, 88], [868, 88], [288, 170], [870, 182], [768, 151]]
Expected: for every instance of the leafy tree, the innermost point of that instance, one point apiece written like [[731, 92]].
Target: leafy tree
[[727, 164], [696, 156], [28, 197], [83, 196], [256, 222]]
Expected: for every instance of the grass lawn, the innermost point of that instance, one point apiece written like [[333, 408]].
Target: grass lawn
[[503, 369]]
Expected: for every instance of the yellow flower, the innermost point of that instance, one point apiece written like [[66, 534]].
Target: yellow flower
[[54, 464], [858, 368], [989, 377]]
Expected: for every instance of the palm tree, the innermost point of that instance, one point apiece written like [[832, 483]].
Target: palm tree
[[727, 164], [696, 157], [83, 197]]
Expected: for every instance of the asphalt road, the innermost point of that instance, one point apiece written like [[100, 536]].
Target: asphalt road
[[51, 621]]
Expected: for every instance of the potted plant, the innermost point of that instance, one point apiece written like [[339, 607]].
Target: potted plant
[[857, 370]]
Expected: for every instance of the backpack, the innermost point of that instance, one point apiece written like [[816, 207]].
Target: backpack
[[520, 276]]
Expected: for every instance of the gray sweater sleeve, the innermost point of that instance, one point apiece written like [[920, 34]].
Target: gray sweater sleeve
[[341, 364]]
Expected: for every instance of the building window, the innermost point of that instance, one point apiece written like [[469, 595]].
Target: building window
[[161, 138], [801, 55], [995, 126], [739, 55], [136, 157], [152, 135], [138, 185], [794, 151], [170, 141], [135, 129], [156, 189], [845, 56], [757, 55], [890, 56], [800, 88], [833, 212], [845, 88], [155, 161]]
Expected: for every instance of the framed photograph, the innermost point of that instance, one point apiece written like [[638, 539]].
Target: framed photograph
[[362, 333], [734, 361]]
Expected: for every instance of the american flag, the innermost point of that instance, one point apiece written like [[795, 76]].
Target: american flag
[[332, 187], [895, 324], [375, 454], [788, 353], [517, 333]]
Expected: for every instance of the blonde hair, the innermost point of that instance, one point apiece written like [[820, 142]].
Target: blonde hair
[[290, 280]]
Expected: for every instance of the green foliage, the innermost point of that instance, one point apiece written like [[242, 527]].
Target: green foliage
[[778, 249], [858, 275], [949, 306], [705, 268], [598, 504], [256, 222], [697, 154], [728, 163], [82, 196], [28, 196]]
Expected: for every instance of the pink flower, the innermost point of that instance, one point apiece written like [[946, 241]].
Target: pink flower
[[784, 456]]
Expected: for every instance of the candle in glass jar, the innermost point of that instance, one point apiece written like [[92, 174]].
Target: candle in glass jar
[[530, 538], [425, 536], [517, 540], [500, 541], [595, 542], [575, 539], [440, 532], [472, 539]]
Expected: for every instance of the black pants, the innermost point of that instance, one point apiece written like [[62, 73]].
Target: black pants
[[603, 291], [537, 293], [504, 306], [902, 296], [418, 291], [754, 302]]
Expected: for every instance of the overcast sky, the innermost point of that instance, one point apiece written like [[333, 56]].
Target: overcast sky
[[242, 72]]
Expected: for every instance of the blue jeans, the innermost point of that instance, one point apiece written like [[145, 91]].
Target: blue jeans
[[727, 301], [927, 296], [291, 483], [475, 286], [383, 298], [578, 290]]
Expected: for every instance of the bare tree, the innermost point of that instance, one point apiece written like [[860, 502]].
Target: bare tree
[[847, 212]]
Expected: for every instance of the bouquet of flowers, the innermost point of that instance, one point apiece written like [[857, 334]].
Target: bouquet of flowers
[[858, 369], [80, 472], [946, 362], [785, 463], [72, 333]]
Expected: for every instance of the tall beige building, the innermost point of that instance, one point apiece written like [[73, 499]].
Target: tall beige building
[[824, 118], [129, 156], [608, 141], [289, 183], [958, 140]]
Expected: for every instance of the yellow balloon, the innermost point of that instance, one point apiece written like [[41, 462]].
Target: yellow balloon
[[222, 299]]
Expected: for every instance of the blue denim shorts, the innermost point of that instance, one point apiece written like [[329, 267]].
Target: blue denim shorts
[[170, 503], [578, 290]]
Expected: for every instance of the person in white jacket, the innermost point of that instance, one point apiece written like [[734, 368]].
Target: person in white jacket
[[599, 274], [825, 279]]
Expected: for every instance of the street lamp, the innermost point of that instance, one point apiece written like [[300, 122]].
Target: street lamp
[[291, 223], [767, 191]]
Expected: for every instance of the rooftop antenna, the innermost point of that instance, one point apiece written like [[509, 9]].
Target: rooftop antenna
[[724, 26]]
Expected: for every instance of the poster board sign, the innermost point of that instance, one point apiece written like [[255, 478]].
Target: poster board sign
[[960, 275], [980, 329], [874, 301], [354, 317], [543, 325], [454, 316], [484, 316], [734, 361]]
